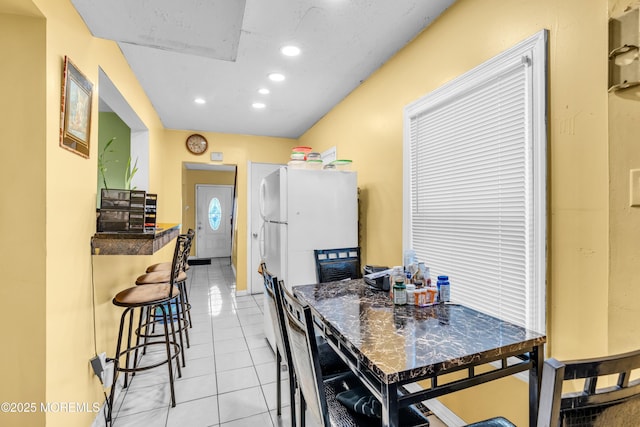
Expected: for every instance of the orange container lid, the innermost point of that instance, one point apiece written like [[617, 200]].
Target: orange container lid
[[302, 149]]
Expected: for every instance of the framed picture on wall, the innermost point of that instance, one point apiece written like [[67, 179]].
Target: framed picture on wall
[[75, 110]]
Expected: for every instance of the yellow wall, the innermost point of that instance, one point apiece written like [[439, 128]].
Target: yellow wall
[[71, 183], [237, 150], [48, 234], [367, 127], [624, 221], [592, 232], [22, 214]]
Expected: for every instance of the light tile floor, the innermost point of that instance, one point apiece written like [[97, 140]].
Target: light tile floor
[[230, 374]]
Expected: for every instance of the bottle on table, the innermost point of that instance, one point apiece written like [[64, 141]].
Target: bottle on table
[[397, 275], [399, 293], [444, 289]]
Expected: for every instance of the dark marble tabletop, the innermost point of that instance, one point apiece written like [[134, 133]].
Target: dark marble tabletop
[[399, 343]]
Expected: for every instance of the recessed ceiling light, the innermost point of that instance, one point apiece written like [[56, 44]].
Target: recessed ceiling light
[[264, 91], [290, 50], [199, 101], [276, 77], [258, 105]]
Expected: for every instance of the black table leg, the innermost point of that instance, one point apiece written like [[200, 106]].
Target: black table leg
[[535, 382], [390, 406]]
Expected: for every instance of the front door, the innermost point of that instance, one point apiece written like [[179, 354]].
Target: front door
[[213, 220]]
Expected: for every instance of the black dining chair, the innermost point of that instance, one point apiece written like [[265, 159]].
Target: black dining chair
[[330, 362], [337, 264], [614, 403], [283, 352], [335, 400]]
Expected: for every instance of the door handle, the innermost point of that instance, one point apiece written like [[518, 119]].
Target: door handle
[[255, 235]]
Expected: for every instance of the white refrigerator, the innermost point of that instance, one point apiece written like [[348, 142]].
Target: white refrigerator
[[303, 210]]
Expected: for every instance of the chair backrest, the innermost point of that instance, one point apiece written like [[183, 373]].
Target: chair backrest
[[185, 258], [277, 314], [304, 352], [610, 404], [180, 253], [337, 264]]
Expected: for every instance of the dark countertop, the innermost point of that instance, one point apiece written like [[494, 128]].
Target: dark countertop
[[125, 243], [403, 342]]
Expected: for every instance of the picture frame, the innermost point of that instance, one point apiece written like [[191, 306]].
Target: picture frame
[[75, 110]]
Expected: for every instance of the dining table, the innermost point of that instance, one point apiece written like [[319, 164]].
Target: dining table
[[402, 352]]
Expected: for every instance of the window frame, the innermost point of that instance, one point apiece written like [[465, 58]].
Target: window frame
[[533, 52]]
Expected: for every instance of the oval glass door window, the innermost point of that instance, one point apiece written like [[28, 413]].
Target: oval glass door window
[[215, 213]]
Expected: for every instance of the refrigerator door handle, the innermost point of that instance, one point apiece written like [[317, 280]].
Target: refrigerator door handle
[[261, 245], [261, 199]]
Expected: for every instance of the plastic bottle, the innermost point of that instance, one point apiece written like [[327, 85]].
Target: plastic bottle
[[427, 276], [444, 289], [411, 292], [409, 258], [399, 293], [397, 275]]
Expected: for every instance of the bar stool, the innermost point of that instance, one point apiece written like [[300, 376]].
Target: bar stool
[[149, 299], [166, 266], [178, 278], [158, 273]]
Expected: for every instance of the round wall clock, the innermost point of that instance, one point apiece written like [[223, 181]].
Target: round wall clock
[[197, 144]]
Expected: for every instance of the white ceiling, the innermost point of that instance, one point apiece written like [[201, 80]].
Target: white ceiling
[[223, 50]]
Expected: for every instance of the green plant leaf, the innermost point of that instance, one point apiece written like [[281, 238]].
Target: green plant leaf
[[102, 161], [129, 173]]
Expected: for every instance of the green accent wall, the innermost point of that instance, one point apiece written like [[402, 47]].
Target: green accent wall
[[109, 126]]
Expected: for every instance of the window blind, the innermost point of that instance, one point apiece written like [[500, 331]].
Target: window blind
[[472, 190]]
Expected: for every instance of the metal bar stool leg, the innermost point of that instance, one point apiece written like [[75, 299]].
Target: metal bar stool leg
[[186, 301], [173, 333], [138, 332], [184, 311], [116, 364], [168, 348], [278, 382], [127, 358]]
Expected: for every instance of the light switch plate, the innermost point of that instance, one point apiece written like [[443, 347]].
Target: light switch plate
[[634, 187]]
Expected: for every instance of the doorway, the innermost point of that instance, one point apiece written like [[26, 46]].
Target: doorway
[[195, 210], [214, 218]]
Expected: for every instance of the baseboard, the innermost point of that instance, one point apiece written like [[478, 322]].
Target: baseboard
[[242, 293], [444, 414], [199, 261]]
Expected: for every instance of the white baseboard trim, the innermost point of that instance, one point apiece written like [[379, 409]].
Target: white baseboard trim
[[444, 414], [242, 293]]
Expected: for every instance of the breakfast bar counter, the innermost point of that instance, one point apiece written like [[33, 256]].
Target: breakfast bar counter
[[127, 243]]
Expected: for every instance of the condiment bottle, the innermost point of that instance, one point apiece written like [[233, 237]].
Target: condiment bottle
[[432, 295], [444, 289], [399, 293], [411, 293], [397, 275]]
